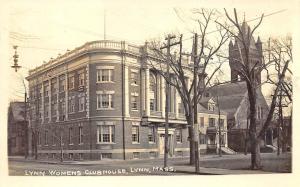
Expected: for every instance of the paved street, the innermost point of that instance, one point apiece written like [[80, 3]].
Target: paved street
[[210, 164]]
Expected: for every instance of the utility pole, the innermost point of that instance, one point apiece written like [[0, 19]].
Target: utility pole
[[168, 46], [26, 124], [196, 130], [16, 66], [219, 125]]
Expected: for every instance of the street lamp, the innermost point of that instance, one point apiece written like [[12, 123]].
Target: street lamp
[[16, 56], [16, 67]]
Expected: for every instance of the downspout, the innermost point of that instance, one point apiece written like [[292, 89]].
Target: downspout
[[123, 95], [88, 95]]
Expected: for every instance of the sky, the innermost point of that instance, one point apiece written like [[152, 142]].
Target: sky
[[43, 30]]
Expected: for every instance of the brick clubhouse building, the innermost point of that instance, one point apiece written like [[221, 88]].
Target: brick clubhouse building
[[102, 100]]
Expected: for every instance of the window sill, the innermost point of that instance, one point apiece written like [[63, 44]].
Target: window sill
[[71, 113], [71, 144], [179, 142], [99, 82], [106, 143], [134, 110], [105, 108], [132, 84], [135, 142], [80, 144], [81, 111], [152, 143]]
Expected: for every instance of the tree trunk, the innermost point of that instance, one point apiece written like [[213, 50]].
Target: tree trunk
[[255, 155], [246, 142], [35, 146], [254, 140], [191, 140]]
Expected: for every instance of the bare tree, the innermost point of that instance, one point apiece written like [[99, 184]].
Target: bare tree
[[279, 51], [203, 52], [248, 71]]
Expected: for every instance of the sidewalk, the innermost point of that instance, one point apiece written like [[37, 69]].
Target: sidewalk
[[179, 164], [217, 171], [65, 162]]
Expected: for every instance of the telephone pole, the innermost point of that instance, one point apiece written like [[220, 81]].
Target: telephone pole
[[167, 107], [196, 130], [219, 124]]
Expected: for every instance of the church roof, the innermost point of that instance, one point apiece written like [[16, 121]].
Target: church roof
[[230, 96], [203, 106], [17, 110]]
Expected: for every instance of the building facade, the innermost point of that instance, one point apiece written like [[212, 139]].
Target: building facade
[[103, 100], [16, 129]]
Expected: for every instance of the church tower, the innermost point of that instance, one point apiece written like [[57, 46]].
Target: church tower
[[255, 54]]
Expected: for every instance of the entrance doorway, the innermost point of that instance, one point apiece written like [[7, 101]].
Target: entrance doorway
[[162, 144]]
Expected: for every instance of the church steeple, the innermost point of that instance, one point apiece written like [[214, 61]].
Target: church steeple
[[255, 49]]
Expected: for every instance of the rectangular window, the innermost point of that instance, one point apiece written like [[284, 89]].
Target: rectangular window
[[81, 79], [80, 135], [106, 155], [71, 105], [71, 156], [46, 137], [54, 109], [81, 103], [63, 109], [46, 89], [62, 83], [212, 122], [180, 108], [135, 134], [105, 75], [106, 134], [39, 138], [71, 82], [53, 86], [134, 103], [201, 121], [134, 78], [53, 139], [152, 154], [222, 123], [179, 153], [202, 138], [151, 134], [61, 138], [70, 135], [46, 112], [105, 101], [40, 90], [136, 155], [179, 135], [152, 104]]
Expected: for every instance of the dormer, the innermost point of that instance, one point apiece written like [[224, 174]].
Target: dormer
[[211, 104]]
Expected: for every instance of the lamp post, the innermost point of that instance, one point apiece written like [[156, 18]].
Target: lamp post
[[16, 66]]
